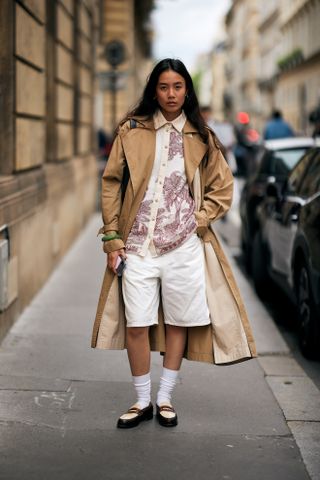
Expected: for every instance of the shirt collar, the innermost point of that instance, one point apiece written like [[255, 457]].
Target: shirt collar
[[177, 123]]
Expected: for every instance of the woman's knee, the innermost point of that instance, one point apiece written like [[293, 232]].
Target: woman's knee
[[135, 333], [175, 331]]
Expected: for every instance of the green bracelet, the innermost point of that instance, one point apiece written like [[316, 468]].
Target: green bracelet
[[112, 236]]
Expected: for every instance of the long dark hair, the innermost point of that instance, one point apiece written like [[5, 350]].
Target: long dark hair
[[148, 104]]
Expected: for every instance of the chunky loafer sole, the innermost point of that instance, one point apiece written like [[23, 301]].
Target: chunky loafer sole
[[142, 415], [164, 421]]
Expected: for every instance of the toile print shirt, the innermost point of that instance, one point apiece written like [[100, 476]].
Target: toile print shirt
[[166, 215]]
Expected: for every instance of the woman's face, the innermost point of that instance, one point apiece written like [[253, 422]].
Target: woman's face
[[170, 93]]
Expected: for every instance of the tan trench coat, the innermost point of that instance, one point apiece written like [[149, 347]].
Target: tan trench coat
[[229, 338]]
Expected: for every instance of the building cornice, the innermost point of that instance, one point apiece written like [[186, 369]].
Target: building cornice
[[289, 18], [305, 63], [266, 22]]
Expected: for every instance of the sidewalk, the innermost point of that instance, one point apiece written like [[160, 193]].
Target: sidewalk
[[60, 399]]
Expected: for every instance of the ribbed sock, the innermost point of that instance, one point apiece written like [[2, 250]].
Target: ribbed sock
[[142, 385], [167, 383]]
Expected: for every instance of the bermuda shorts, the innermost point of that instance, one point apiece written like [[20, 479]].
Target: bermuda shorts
[[178, 276]]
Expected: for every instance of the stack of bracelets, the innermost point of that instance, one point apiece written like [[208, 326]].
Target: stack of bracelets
[[112, 236]]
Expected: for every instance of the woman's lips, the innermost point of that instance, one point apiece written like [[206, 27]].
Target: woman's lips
[[172, 104]]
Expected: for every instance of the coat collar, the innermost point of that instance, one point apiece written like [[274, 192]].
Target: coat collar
[[178, 123], [149, 124]]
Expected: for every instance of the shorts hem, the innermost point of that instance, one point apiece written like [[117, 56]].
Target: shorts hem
[[140, 324], [188, 324]]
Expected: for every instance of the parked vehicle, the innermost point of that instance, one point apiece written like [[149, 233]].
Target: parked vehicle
[[286, 247], [274, 161]]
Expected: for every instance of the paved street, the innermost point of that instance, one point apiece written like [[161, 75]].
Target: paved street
[[60, 399]]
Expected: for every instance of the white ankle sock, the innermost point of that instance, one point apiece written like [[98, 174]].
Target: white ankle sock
[[167, 383], [142, 384]]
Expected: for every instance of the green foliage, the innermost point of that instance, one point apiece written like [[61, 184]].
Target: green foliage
[[290, 60], [196, 78]]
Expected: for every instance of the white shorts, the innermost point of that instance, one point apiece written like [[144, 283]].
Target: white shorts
[[180, 277]]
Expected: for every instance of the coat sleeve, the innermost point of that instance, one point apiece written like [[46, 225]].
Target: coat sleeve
[[218, 188], [111, 194]]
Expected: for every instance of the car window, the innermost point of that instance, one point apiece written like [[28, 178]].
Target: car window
[[310, 183], [285, 160], [281, 162], [296, 177]]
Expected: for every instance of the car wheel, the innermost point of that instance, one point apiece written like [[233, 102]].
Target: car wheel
[[259, 266], [308, 335]]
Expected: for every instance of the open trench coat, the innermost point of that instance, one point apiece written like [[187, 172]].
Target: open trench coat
[[228, 339]]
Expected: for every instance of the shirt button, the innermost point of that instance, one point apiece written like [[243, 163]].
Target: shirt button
[[166, 146]]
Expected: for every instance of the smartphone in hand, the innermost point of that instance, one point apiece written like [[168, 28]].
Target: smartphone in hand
[[120, 266]]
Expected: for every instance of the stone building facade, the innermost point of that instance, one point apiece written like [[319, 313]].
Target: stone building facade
[[126, 21], [243, 59], [270, 51], [274, 59], [219, 102], [48, 172], [298, 86]]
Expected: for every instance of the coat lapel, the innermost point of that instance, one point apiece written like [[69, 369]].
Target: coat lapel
[[139, 147], [194, 151]]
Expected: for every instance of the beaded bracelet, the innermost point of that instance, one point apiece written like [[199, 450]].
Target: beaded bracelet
[[112, 236]]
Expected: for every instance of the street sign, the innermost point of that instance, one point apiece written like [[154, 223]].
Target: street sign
[[115, 53]]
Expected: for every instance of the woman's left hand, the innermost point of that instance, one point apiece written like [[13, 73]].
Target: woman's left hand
[[112, 258]]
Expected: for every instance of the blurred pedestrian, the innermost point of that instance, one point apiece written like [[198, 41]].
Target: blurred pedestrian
[[247, 139], [225, 133], [276, 127], [178, 183], [104, 144]]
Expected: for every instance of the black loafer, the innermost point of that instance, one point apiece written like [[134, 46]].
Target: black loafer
[[140, 416], [165, 421]]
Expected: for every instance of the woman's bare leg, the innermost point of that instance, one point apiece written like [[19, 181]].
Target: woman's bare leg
[[138, 348], [175, 345]]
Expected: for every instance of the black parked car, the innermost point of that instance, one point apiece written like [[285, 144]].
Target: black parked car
[[275, 159], [286, 246]]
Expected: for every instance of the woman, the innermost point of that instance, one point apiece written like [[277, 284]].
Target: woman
[[170, 298]]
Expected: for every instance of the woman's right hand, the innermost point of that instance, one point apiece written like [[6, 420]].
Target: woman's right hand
[[112, 258]]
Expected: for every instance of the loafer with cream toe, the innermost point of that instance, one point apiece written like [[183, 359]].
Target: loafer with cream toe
[[166, 415], [134, 416]]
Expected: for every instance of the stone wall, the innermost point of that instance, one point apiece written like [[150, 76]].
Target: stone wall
[[48, 173]]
